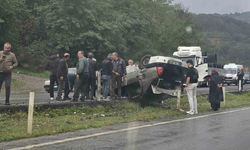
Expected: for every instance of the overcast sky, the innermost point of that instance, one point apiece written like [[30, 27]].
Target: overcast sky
[[215, 6]]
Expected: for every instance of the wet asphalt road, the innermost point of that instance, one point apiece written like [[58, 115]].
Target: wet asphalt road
[[228, 131], [43, 97]]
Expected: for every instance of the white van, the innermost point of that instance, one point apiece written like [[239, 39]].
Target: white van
[[231, 73]]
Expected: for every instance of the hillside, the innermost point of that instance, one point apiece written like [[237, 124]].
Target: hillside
[[245, 16], [228, 37]]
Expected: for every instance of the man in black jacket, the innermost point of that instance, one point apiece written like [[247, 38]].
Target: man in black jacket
[[119, 70], [240, 75], [107, 68], [91, 85], [63, 78], [52, 66]]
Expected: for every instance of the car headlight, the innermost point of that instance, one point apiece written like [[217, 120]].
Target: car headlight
[[47, 82]]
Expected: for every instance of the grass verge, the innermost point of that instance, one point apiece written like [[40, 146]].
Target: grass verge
[[14, 85], [54, 121], [44, 74]]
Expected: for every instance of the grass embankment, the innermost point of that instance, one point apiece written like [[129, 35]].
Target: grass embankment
[[14, 85], [48, 122], [44, 74]]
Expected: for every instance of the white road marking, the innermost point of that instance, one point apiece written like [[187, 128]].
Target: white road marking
[[123, 130]]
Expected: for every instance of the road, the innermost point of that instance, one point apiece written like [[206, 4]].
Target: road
[[43, 97], [228, 130]]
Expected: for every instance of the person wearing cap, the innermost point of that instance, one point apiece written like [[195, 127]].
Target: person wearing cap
[[62, 73], [191, 87], [215, 90]]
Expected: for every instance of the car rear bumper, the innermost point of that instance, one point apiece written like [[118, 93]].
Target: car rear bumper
[[228, 81]]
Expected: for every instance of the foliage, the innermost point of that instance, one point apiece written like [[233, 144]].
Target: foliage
[[132, 28], [228, 37]]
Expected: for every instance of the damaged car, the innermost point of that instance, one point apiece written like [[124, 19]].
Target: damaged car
[[155, 75]]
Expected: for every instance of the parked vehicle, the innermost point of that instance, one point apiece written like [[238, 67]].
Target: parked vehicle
[[247, 77], [203, 62], [231, 73]]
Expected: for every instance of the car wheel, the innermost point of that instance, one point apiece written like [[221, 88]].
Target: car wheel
[[144, 61], [228, 84]]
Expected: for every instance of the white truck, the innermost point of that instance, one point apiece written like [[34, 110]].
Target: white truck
[[203, 62], [231, 73]]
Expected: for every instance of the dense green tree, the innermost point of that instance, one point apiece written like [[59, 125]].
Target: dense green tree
[[132, 28]]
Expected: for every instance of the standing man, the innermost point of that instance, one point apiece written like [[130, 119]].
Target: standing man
[[52, 66], [63, 78], [82, 76], [91, 85], [240, 75], [119, 70], [7, 62], [191, 87], [107, 68]]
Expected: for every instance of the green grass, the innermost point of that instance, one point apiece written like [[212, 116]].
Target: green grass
[[44, 74], [54, 121]]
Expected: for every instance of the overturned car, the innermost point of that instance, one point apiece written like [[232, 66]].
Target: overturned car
[[155, 75]]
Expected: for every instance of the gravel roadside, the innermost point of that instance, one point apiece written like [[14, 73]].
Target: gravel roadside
[[28, 83]]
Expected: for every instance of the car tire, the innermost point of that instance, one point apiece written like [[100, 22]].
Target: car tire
[[228, 84], [144, 61]]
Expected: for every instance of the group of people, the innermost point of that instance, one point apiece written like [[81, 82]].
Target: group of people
[[112, 72], [215, 89]]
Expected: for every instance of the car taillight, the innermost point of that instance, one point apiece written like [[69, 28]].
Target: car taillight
[[159, 70]]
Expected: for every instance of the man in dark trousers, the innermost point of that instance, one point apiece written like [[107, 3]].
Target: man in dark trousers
[[119, 70], [52, 66], [63, 78], [107, 67], [240, 75], [91, 85], [191, 87], [7, 62], [82, 77]]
